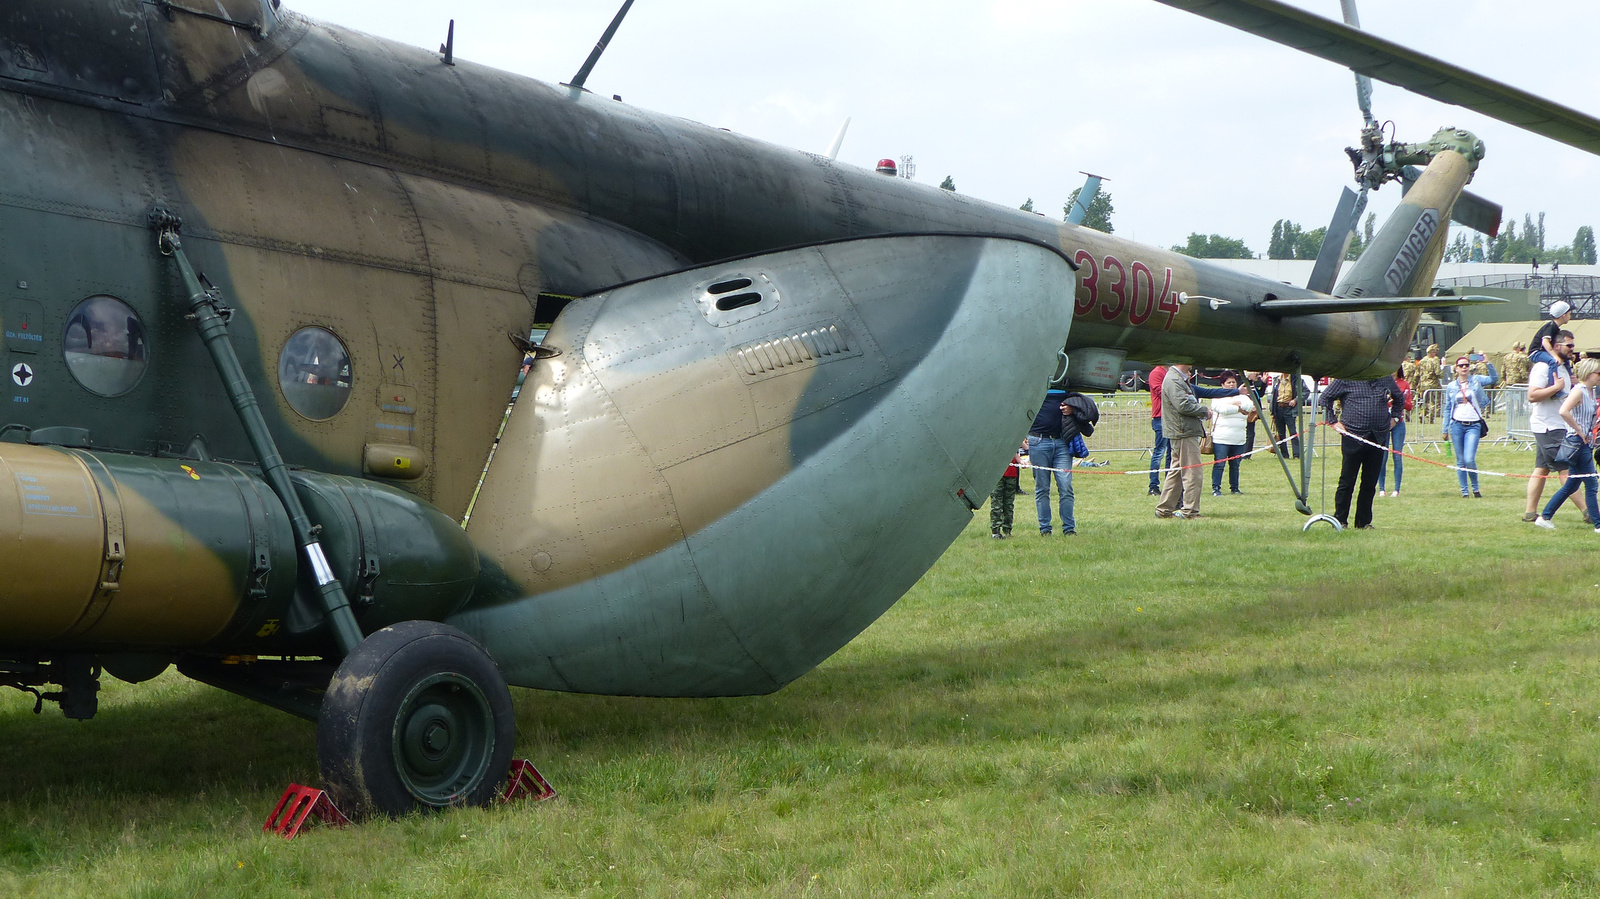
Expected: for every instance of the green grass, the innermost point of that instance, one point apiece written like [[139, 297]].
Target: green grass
[[1223, 707]]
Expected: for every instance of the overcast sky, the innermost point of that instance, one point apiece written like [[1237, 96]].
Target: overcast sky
[[1198, 127]]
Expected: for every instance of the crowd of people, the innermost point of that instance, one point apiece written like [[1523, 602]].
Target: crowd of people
[[1371, 417]]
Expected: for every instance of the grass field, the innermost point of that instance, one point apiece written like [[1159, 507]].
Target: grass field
[[1223, 707]]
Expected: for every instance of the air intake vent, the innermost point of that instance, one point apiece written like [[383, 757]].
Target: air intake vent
[[722, 287], [736, 297], [737, 301], [792, 351]]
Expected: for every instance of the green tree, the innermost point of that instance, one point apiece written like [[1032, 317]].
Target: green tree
[[1357, 245], [1214, 247], [1027, 206], [1290, 241], [1458, 251], [1097, 216], [948, 183], [1583, 246], [1310, 244], [1285, 237]]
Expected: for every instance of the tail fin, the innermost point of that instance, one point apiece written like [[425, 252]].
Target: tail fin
[[1405, 254]]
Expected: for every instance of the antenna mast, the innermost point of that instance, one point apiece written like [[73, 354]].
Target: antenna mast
[[588, 65]]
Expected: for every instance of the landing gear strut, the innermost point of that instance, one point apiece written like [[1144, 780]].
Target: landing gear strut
[[417, 717]]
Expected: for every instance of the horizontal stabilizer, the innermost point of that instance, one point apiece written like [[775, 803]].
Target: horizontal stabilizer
[[1324, 305]]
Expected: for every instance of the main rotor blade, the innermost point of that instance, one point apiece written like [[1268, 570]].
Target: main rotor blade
[[1363, 83], [1394, 64]]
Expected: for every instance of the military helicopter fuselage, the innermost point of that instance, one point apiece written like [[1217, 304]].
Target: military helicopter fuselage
[[774, 390]]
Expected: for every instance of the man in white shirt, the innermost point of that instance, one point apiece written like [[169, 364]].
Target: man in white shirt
[[1547, 387]]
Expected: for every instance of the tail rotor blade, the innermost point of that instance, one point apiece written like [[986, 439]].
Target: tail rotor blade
[[1334, 244]]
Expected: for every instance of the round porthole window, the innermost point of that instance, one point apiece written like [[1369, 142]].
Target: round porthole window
[[105, 346], [314, 373]]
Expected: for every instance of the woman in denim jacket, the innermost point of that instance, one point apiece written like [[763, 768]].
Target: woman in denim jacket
[[1465, 402]]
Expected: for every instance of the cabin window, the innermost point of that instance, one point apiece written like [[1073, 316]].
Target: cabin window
[[105, 346], [314, 373]]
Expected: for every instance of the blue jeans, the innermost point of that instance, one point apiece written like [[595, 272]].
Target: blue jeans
[[1224, 451], [1397, 439], [1160, 454], [1051, 452], [1583, 465], [1464, 437]]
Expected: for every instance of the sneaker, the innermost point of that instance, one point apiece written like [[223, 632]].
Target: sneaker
[[1545, 523], [1044, 533], [1164, 514], [996, 535], [1477, 495], [1216, 492], [1069, 533], [1189, 515], [1006, 533], [1236, 492], [1155, 491], [1527, 516], [1365, 527], [1396, 493]]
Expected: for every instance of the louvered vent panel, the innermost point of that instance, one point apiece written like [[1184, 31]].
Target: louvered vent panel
[[792, 350]]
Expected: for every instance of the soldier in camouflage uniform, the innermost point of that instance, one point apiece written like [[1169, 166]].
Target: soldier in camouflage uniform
[[1408, 368], [1517, 365], [1427, 382]]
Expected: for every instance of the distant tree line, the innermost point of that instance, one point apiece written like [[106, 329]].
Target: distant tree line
[[1524, 247], [1288, 241]]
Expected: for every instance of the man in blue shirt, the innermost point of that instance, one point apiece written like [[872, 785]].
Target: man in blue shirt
[[1049, 455]]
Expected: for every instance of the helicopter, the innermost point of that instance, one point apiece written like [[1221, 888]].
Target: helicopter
[[268, 283]]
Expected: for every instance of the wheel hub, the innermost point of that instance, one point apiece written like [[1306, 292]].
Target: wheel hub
[[442, 739]]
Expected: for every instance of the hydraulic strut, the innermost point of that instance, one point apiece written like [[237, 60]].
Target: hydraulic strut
[[211, 320], [1302, 488]]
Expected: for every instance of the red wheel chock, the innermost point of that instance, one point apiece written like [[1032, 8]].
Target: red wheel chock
[[299, 806], [525, 781]]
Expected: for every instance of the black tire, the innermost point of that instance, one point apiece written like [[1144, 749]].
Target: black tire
[[418, 717]]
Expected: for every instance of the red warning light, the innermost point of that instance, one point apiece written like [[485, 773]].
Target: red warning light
[[886, 167]]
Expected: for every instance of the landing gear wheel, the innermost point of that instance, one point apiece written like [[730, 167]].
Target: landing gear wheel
[[418, 717]]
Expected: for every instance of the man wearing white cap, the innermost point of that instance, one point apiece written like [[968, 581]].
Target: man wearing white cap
[[1544, 342]]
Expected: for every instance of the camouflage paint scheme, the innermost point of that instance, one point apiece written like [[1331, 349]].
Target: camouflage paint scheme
[[688, 500]]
